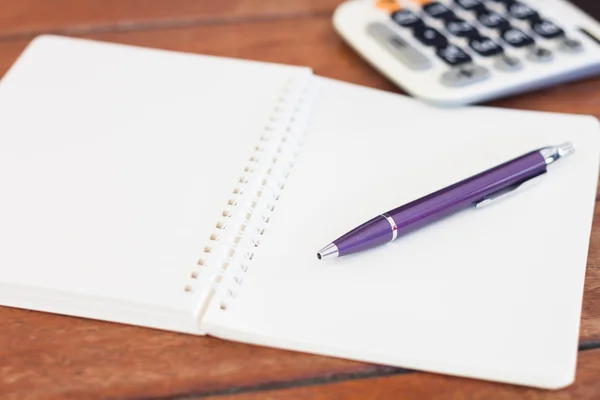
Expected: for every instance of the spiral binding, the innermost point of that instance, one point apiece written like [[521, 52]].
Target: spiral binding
[[231, 247]]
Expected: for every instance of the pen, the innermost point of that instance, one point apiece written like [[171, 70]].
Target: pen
[[477, 191]]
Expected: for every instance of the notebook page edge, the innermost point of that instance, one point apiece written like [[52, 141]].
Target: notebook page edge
[[97, 308]]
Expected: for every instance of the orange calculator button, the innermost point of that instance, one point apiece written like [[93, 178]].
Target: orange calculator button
[[388, 5]]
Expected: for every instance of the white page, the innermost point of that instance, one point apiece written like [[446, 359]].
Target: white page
[[115, 164], [493, 293]]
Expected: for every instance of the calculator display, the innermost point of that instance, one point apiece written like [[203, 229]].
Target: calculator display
[[590, 7]]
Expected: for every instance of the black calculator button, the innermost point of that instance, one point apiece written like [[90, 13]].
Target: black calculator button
[[485, 46], [522, 11], [471, 5], [516, 38], [453, 55], [407, 19], [461, 28], [431, 37], [547, 29], [481, 10], [493, 20], [438, 10]]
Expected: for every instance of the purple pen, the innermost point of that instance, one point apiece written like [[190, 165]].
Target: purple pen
[[476, 191]]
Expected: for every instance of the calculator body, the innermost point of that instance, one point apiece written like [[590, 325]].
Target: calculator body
[[457, 52]]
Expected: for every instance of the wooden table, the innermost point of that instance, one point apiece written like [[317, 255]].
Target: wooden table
[[46, 356]]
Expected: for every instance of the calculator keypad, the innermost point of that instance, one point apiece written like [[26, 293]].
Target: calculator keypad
[[463, 33]]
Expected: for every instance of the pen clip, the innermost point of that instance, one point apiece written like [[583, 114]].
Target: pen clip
[[509, 191]]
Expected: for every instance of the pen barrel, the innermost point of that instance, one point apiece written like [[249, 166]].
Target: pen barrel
[[372, 233], [468, 192], [464, 194]]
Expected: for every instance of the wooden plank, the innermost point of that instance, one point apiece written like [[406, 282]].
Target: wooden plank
[[24, 17], [590, 314], [46, 356], [9, 52], [431, 386]]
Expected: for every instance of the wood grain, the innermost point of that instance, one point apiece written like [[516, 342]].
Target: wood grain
[[590, 318], [27, 17], [431, 386], [45, 356]]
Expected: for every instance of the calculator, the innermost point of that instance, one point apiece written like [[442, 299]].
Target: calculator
[[457, 52]]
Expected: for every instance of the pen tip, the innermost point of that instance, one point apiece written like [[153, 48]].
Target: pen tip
[[566, 149], [329, 251]]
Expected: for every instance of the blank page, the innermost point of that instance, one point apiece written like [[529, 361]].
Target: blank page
[[115, 164], [492, 293]]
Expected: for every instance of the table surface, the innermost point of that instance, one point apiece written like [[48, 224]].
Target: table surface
[[45, 356]]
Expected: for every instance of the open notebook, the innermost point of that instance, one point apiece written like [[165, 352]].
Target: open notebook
[[191, 193]]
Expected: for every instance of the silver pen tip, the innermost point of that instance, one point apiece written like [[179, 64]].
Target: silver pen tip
[[566, 149], [329, 251], [555, 153]]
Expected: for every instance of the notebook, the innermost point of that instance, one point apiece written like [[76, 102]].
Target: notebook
[[190, 193]]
